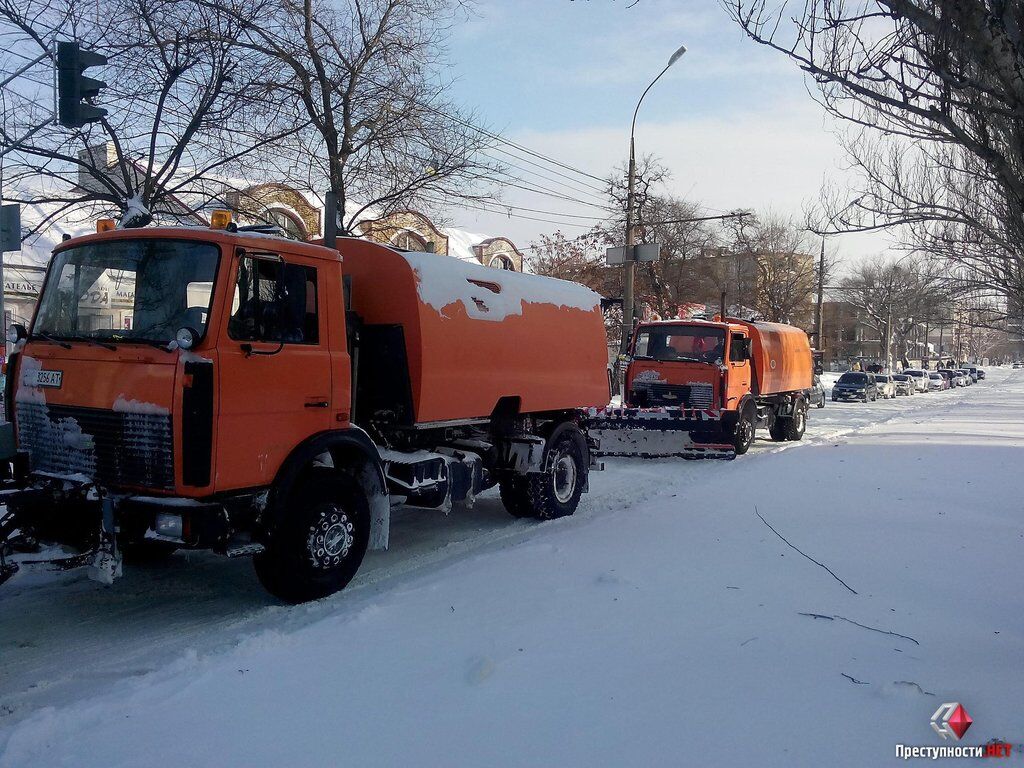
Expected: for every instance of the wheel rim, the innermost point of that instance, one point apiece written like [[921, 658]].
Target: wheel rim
[[800, 418], [564, 478], [330, 538], [746, 432]]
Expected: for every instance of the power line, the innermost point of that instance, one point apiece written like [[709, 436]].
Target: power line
[[502, 208], [514, 215], [582, 185]]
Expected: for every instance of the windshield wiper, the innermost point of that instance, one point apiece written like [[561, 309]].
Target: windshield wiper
[[89, 340], [51, 339]]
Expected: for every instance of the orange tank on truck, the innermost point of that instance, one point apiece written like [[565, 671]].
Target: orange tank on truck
[[475, 337], [187, 388], [722, 380]]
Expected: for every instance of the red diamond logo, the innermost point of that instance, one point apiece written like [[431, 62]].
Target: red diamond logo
[[951, 721], [959, 721]]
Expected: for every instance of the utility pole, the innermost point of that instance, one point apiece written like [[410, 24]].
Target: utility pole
[[888, 337], [629, 279], [819, 324]]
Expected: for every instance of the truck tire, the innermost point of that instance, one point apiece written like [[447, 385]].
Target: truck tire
[[513, 492], [796, 424], [744, 435], [320, 542], [779, 428], [556, 492]]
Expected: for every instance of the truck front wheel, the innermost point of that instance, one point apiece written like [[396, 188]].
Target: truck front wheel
[[743, 438], [320, 542]]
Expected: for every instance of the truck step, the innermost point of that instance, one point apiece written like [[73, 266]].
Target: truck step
[[247, 549]]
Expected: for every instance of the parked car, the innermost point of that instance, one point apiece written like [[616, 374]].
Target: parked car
[[981, 374], [973, 370], [920, 378], [855, 385], [886, 386], [816, 394], [1018, 365], [938, 381], [956, 377], [968, 379], [904, 384]]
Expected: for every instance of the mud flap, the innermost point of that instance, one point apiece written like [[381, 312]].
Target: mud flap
[[105, 564], [655, 433]]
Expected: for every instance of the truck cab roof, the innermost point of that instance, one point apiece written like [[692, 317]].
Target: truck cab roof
[[256, 241]]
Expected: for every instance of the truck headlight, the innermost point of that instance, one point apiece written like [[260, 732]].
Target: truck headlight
[[186, 337], [169, 525]]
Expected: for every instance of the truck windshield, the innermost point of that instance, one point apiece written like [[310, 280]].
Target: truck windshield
[[680, 342], [139, 290]]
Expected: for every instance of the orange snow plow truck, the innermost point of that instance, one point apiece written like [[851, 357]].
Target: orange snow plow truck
[[253, 395], [701, 389]]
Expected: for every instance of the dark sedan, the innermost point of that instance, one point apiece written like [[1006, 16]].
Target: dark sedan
[[855, 385]]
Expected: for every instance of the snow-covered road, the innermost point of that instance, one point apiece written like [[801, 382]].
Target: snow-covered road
[[663, 624]]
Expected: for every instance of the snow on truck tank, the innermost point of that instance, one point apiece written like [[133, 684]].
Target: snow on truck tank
[[473, 335]]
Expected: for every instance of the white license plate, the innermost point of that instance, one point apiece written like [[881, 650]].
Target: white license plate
[[43, 378]]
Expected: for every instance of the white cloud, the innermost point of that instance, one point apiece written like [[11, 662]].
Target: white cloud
[[770, 159]]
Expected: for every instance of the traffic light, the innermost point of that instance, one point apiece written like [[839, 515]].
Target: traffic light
[[75, 91]]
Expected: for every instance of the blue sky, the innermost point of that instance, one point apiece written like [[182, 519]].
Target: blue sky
[[732, 120]]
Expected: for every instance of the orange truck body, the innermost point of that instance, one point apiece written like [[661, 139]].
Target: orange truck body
[[781, 358]]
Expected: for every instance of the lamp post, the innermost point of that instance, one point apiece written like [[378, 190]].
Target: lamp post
[[629, 281]]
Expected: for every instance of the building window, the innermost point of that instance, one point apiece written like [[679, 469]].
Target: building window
[[407, 240], [502, 261], [288, 223]]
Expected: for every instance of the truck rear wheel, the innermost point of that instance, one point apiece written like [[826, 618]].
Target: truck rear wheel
[[320, 542], [556, 492], [796, 424], [513, 492]]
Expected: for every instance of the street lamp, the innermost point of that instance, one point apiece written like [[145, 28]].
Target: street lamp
[[628, 299]]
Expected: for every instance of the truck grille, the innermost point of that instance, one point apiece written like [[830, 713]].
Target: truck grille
[[111, 447], [684, 396]]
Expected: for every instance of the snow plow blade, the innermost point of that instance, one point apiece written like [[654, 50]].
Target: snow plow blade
[[652, 433]]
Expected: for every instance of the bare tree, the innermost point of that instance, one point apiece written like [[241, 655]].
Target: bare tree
[[933, 91], [182, 112], [679, 276], [366, 75], [786, 267], [894, 298]]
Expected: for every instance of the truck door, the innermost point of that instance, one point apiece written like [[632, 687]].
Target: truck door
[[739, 371], [275, 366]]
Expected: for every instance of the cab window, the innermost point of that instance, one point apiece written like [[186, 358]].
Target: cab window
[[274, 301], [735, 350]]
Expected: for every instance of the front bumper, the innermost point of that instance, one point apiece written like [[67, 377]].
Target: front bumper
[[849, 394], [97, 523]]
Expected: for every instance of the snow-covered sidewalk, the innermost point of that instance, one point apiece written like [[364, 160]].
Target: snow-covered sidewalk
[[664, 624]]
